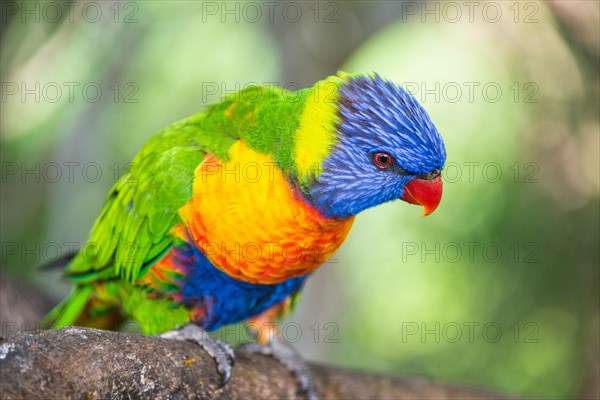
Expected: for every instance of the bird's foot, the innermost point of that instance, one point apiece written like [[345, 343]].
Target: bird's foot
[[220, 351], [285, 353]]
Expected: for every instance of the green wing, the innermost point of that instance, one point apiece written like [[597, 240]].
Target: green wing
[[134, 228]]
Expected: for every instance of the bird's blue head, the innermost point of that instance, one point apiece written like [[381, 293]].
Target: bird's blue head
[[386, 148]]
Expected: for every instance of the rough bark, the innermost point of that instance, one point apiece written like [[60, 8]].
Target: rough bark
[[83, 363]]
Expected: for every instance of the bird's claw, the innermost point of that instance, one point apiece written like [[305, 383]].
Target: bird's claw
[[283, 352], [220, 351]]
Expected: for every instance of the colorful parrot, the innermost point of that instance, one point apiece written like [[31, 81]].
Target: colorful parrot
[[226, 213]]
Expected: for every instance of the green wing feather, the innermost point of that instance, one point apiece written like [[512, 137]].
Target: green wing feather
[[134, 228]]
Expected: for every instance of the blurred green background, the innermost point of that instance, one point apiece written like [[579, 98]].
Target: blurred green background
[[498, 288]]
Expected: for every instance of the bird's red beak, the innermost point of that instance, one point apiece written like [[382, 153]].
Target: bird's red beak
[[424, 192]]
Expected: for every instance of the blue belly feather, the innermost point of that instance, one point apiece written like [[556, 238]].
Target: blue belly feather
[[227, 300]]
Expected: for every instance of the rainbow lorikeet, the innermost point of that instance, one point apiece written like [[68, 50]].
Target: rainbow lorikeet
[[227, 212]]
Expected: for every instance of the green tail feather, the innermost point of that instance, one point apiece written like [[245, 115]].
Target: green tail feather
[[69, 310]]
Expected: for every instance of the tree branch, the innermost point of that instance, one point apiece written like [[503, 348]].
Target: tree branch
[[80, 363]]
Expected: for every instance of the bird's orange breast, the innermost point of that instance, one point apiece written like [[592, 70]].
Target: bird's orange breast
[[252, 224]]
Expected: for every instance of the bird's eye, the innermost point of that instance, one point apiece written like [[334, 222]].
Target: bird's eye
[[382, 160]]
